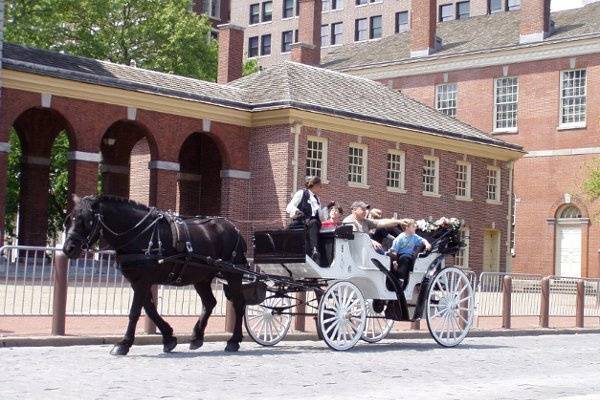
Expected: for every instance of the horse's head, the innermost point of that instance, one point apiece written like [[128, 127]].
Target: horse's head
[[82, 226]]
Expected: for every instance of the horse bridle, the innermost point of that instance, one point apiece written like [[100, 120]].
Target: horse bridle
[[99, 225]]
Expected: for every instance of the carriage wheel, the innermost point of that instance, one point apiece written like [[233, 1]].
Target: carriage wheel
[[376, 327], [266, 323], [342, 315], [450, 307]]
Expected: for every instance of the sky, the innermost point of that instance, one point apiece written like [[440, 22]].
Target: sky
[[557, 5]]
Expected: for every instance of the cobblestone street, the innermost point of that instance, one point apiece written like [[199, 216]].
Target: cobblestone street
[[544, 367]]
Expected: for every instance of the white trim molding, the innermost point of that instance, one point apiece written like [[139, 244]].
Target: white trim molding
[[46, 100], [114, 169], [164, 165], [206, 124], [131, 113], [545, 50], [4, 147], [563, 152], [235, 173], [84, 156], [533, 37], [37, 160]]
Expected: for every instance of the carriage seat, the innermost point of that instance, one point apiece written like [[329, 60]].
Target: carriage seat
[[288, 245]]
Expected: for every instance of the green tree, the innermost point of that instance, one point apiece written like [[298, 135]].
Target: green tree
[[161, 35], [250, 67], [13, 184], [591, 184]]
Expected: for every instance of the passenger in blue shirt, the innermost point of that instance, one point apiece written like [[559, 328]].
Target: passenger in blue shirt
[[406, 246]]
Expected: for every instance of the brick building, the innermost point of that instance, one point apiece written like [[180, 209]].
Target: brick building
[[236, 149], [530, 77], [271, 25]]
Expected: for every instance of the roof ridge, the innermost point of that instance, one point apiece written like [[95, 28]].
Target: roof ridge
[[151, 71]]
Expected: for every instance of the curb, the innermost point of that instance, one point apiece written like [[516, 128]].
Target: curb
[[62, 341]]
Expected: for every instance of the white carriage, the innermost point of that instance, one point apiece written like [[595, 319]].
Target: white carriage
[[352, 285]]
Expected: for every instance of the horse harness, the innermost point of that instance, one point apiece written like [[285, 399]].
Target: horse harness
[[181, 241]]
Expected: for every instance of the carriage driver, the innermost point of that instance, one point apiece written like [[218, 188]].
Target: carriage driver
[[306, 211], [360, 223]]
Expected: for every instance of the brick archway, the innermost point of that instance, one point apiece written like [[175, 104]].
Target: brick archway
[[199, 179], [37, 129], [127, 147]]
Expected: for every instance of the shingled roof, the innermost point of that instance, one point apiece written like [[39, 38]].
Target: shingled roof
[[288, 84], [484, 33]]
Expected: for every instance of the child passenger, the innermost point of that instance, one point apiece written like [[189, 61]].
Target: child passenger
[[407, 245]]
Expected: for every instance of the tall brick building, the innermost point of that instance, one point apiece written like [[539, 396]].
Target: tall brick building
[[242, 146], [530, 77]]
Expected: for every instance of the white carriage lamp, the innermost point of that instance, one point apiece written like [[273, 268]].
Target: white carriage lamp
[[109, 141]]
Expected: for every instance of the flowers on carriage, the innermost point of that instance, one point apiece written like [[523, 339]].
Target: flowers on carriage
[[428, 225]]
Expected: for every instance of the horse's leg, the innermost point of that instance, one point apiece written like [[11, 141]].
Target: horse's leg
[[239, 305], [169, 341], [140, 291], [208, 304]]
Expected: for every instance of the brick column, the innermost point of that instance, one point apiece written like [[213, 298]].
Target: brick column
[[235, 187], [33, 204], [535, 23], [423, 16], [83, 174], [115, 180], [163, 184]]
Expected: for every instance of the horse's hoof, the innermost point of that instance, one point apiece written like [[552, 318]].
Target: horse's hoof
[[232, 347], [119, 350], [196, 344], [169, 344]]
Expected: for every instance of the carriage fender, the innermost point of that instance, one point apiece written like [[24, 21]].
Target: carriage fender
[[436, 266]]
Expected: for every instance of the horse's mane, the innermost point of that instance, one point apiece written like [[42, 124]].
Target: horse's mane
[[122, 200]]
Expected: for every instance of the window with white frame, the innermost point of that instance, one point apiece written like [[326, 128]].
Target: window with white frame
[[573, 97], [430, 175], [462, 257], [316, 157], [212, 8], [325, 35], [395, 170], [493, 184], [332, 5], [336, 33], [288, 8], [401, 21], [506, 103], [446, 98], [463, 180], [357, 164]]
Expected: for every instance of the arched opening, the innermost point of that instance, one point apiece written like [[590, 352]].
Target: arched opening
[[38, 171], [569, 235], [199, 184], [127, 147]]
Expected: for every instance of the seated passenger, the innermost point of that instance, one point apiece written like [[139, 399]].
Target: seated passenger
[[385, 236], [406, 246], [335, 217], [306, 211], [360, 223]]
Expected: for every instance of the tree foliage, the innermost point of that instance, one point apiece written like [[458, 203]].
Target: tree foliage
[[161, 35], [591, 184]]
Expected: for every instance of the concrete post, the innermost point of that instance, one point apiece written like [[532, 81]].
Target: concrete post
[[300, 322], [580, 305], [545, 303], [506, 301], [59, 299]]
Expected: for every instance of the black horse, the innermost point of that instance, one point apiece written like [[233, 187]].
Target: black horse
[[154, 247]]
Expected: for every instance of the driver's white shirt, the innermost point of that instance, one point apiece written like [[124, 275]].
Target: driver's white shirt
[[292, 207]]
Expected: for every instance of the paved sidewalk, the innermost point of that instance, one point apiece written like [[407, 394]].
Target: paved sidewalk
[[534, 367]]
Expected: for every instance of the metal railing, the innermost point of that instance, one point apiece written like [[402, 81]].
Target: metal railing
[[95, 286], [525, 295]]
